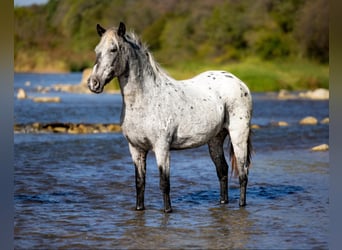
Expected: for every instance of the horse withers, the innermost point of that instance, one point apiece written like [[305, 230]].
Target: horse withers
[[161, 114]]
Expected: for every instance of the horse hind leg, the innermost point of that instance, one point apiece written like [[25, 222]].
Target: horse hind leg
[[240, 153], [217, 155]]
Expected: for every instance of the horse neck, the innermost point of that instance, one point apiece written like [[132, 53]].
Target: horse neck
[[140, 78]]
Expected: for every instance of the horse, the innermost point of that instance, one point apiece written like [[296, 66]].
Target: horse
[[161, 114]]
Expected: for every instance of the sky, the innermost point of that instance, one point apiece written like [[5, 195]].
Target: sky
[[28, 2]]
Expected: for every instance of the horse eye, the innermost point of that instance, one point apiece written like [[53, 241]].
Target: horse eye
[[113, 50]]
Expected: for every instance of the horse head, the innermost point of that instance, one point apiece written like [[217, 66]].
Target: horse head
[[111, 57]]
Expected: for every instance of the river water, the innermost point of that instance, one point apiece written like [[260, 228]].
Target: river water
[[78, 191]]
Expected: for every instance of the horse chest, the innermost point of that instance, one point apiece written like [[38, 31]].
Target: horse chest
[[141, 127]]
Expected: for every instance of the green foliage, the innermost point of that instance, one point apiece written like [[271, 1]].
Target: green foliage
[[261, 75], [153, 33], [284, 13], [312, 30], [227, 25], [272, 46], [213, 32]]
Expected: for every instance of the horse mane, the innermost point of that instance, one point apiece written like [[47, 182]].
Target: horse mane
[[137, 44]]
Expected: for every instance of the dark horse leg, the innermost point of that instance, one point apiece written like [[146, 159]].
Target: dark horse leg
[[139, 159], [163, 161], [217, 155]]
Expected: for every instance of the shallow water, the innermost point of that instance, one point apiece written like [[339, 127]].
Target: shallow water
[[78, 191]]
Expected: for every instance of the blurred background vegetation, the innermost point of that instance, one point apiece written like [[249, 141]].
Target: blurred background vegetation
[[270, 44]]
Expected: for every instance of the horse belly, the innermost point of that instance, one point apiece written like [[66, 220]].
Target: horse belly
[[190, 141], [195, 132]]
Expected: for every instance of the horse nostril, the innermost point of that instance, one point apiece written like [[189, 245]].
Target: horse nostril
[[93, 83], [96, 83]]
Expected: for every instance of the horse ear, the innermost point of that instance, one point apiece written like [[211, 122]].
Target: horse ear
[[122, 29], [100, 30]]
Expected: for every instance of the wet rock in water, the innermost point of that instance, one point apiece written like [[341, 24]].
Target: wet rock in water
[[322, 147], [42, 89], [59, 129], [285, 95], [325, 121], [279, 124], [114, 128], [309, 120], [81, 129], [21, 94], [85, 75], [71, 128], [282, 124], [36, 125], [55, 127], [47, 99], [317, 94], [17, 128], [82, 87], [255, 126]]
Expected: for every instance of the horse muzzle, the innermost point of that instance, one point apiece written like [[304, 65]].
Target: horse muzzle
[[95, 85]]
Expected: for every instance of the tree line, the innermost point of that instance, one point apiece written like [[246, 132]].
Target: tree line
[[62, 33]]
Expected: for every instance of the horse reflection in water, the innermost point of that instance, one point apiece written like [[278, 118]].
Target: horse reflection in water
[[161, 114]]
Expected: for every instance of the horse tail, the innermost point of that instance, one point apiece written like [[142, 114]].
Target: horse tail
[[233, 161]]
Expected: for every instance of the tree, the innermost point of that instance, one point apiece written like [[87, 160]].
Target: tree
[[312, 29]]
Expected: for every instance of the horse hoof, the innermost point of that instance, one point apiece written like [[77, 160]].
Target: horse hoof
[[242, 204], [140, 208], [168, 210], [223, 201]]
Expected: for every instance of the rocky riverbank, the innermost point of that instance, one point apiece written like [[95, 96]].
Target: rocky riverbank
[[82, 88], [82, 128], [70, 128], [317, 94], [79, 128]]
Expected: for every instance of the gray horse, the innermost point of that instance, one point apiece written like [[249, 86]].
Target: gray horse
[[162, 114]]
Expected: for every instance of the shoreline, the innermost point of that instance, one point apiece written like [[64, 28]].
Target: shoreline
[[319, 94], [89, 128], [99, 128], [259, 75], [82, 88]]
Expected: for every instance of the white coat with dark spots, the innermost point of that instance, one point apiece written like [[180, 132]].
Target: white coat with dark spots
[[162, 114]]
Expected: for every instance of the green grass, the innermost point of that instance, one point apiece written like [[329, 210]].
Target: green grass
[[259, 75], [263, 76]]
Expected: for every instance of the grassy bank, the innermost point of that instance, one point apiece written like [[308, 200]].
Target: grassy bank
[[262, 75], [259, 75]]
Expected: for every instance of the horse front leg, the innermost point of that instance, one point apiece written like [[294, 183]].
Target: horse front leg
[[139, 159], [163, 162]]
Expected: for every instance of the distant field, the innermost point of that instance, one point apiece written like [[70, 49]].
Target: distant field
[[264, 76], [259, 75]]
